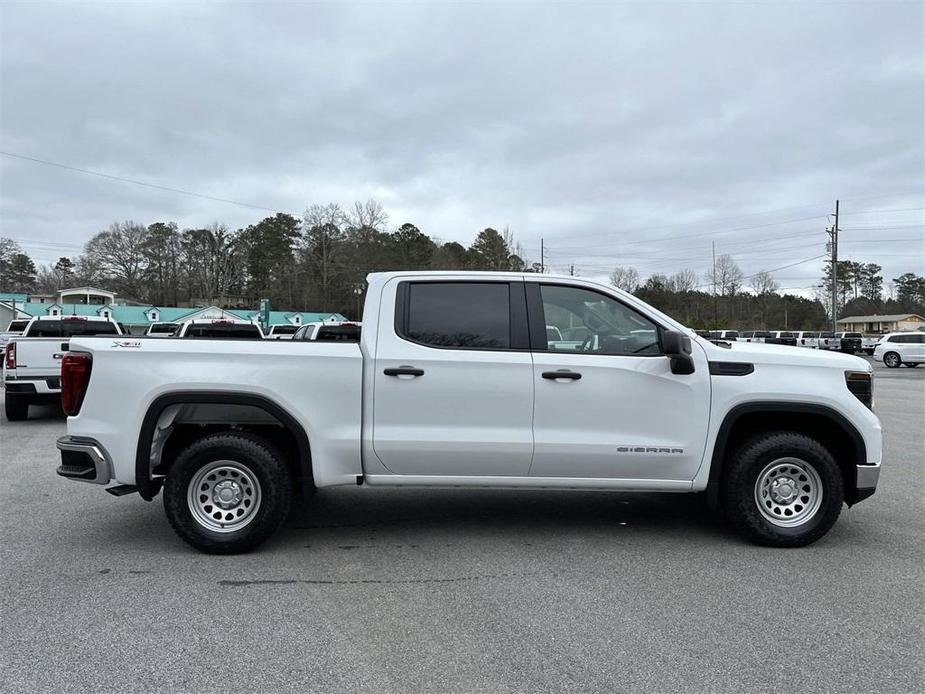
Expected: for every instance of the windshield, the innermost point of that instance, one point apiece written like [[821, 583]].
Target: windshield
[[162, 328], [17, 326], [283, 329]]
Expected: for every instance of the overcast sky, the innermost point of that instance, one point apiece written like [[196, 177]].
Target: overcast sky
[[623, 134]]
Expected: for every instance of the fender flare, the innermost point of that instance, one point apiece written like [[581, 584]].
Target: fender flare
[[776, 406], [148, 487]]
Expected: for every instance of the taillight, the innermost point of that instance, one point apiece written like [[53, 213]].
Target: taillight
[[9, 355], [75, 377]]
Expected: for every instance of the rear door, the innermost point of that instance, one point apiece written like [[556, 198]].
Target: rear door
[[612, 409], [453, 380]]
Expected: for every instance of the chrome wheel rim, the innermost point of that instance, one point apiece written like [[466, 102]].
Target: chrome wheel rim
[[891, 359], [788, 492], [224, 496]]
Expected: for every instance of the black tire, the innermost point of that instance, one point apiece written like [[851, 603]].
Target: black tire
[[892, 360], [912, 365], [16, 408], [740, 490], [269, 486]]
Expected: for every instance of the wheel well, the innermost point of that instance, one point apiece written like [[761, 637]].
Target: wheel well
[[817, 422], [175, 421]]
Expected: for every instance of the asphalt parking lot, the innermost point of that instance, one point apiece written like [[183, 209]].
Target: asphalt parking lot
[[453, 591]]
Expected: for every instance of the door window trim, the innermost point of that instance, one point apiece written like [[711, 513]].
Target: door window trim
[[520, 340], [538, 327]]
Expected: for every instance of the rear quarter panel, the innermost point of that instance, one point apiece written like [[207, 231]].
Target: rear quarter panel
[[319, 384]]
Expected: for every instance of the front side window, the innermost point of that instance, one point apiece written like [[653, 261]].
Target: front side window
[[461, 315], [594, 323]]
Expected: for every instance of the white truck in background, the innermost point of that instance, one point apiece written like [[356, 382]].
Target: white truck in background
[[32, 361], [455, 382]]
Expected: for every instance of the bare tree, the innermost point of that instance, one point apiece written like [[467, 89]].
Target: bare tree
[[763, 283], [625, 278], [727, 277], [683, 281], [118, 253], [368, 215]]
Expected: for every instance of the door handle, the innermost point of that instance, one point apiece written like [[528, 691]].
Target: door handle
[[404, 371], [563, 373]]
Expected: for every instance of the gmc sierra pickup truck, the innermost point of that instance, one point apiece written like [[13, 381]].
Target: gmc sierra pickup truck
[[456, 382], [32, 361]]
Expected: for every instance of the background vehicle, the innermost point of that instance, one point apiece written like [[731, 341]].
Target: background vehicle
[[454, 382], [754, 335], [729, 335], [828, 341], [869, 342], [339, 331], [14, 328], [32, 361], [162, 329], [782, 337], [220, 328], [849, 343], [282, 331], [896, 349], [807, 339]]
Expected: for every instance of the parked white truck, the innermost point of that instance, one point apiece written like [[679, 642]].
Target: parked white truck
[[455, 383], [32, 361]]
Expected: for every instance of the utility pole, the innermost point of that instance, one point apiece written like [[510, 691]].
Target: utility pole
[[542, 256], [833, 245], [715, 318], [571, 270]]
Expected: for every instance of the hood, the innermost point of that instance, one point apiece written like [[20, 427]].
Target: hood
[[760, 353]]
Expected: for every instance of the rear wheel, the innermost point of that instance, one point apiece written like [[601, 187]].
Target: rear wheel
[[228, 492], [912, 365], [16, 408], [782, 489], [892, 360]]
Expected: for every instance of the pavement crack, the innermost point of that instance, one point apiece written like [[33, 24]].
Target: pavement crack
[[370, 581]]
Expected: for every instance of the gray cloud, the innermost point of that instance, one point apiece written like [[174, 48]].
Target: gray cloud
[[608, 129]]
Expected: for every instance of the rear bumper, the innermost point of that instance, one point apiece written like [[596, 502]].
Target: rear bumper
[[40, 385], [84, 460]]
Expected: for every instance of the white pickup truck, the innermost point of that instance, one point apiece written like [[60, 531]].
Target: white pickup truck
[[455, 383], [32, 361]]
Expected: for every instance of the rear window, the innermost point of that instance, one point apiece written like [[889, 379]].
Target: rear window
[[71, 328], [785, 334], [224, 330], [338, 333], [283, 329], [731, 333], [162, 328], [852, 334], [827, 335], [462, 315], [762, 333]]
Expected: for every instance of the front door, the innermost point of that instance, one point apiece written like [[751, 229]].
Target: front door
[[454, 380], [607, 404]]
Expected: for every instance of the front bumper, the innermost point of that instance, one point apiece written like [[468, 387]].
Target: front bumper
[[84, 460]]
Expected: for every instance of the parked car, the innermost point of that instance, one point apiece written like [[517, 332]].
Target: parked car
[[896, 349], [849, 343], [282, 331], [454, 383], [808, 339], [729, 335], [754, 335], [162, 329], [13, 328], [828, 341], [220, 328], [32, 361], [332, 331], [781, 337], [869, 343]]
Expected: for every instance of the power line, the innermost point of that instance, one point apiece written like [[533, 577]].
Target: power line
[[122, 179]]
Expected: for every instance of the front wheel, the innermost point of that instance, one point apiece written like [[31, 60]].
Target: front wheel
[[782, 489], [892, 360], [227, 493], [16, 408]]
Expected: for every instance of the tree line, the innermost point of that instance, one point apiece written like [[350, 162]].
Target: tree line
[[320, 262]]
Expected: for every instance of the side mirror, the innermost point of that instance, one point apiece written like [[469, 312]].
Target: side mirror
[[677, 347]]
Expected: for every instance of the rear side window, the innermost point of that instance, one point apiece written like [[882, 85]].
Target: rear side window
[[17, 326], [71, 328], [163, 328], [461, 315], [283, 329], [224, 330], [338, 333]]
